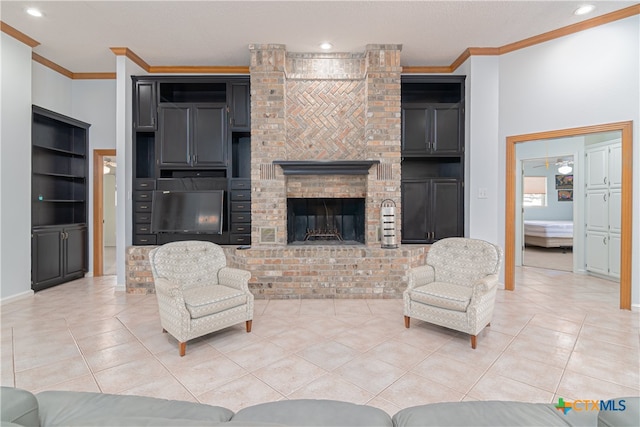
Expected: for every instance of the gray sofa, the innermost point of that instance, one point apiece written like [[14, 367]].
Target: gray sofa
[[67, 408]]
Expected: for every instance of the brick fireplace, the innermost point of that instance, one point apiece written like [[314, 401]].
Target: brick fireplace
[[325, 128]]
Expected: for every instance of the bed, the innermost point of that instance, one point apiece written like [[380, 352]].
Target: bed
[[548, 234]]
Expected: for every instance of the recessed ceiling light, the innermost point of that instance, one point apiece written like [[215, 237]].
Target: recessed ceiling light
[[34, 12], [326, 46], [583, 10]]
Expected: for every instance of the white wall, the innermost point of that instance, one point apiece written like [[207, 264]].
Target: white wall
[[94, 102], [125, 68], [15, 168], [51, 90], [482, 150], [582, 79]]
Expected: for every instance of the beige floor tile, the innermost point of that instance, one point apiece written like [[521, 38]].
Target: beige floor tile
[[288, 307], [332, 387], [288, 374], [317, 307], [397, 353], [369, 373], [533, 349], [385, 405], [531, 372], [579, 386], [82, 383], [606, 350], [412, 390], [328, 354], [602, 368], [240, 393], [326, 327], [128, 375], [162, 388], [295, 339], [105, 340], [497, 387], [256, 355], [116, 355], [205, 376], [533, 336], [53, 373], [459, 376], [352, 307]]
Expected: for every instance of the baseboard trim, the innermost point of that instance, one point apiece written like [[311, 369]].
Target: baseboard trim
[[17, 297]]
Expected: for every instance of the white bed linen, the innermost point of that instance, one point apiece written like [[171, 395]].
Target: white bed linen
[[548, 228]]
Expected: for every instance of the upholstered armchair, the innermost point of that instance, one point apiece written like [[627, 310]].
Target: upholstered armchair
[[197, 293], [456, 288]]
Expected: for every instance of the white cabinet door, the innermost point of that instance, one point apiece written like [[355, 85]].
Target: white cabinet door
[[615, 166], [614, 255], [615, 210], [597, 165], [597, 252], [597, 210]]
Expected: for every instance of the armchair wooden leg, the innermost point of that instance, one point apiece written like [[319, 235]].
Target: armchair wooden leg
[[249, 322], [407, 321], [473, 341], [183, 348]]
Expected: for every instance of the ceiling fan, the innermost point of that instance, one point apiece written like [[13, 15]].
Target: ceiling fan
[[564, 166]]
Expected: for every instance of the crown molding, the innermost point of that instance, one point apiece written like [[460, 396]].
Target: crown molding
[[18, 35], [444, 69], [531, 41], [55, 67]]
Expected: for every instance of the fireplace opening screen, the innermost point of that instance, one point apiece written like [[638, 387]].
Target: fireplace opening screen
[[325, 221]]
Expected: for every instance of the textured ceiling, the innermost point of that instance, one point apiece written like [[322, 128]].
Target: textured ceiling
[[77, 35]]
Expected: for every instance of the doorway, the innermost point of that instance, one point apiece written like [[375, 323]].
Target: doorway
[[104, 253], [625, 129], [547, 201]]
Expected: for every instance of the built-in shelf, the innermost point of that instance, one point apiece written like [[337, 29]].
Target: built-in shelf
[[325, 167]]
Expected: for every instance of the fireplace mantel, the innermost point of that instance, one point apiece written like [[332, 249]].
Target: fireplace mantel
[[325, 167]]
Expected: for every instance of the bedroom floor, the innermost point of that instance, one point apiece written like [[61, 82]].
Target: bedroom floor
[[550, 258]]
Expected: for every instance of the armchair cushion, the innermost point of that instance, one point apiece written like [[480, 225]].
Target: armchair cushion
[[444, 295], [205, 300]]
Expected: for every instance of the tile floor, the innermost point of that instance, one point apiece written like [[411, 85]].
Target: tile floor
[[557, 335]]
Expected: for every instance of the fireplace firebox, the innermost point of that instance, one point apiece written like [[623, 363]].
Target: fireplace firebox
[[325, 220]]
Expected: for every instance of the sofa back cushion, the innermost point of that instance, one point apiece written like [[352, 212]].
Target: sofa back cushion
[[311, 412]]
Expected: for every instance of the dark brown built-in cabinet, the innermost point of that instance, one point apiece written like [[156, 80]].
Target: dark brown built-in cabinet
[[432, 158], [192, 133], [59, 238]]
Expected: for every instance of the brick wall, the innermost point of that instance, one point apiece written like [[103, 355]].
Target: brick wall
[[308, 106]]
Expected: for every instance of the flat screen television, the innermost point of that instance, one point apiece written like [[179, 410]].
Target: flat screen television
[[192, 212]]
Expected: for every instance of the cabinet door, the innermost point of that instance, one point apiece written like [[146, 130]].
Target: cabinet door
[[240, 107], [614, 255], [615, 165], [446, 129], [446, 206], [415, 129], [209, 136], [75, 251], [414, 212], [174, 136], [144, 106], [614, 210], [597, 210], [597, 252], [46, 258], [597, 165]]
